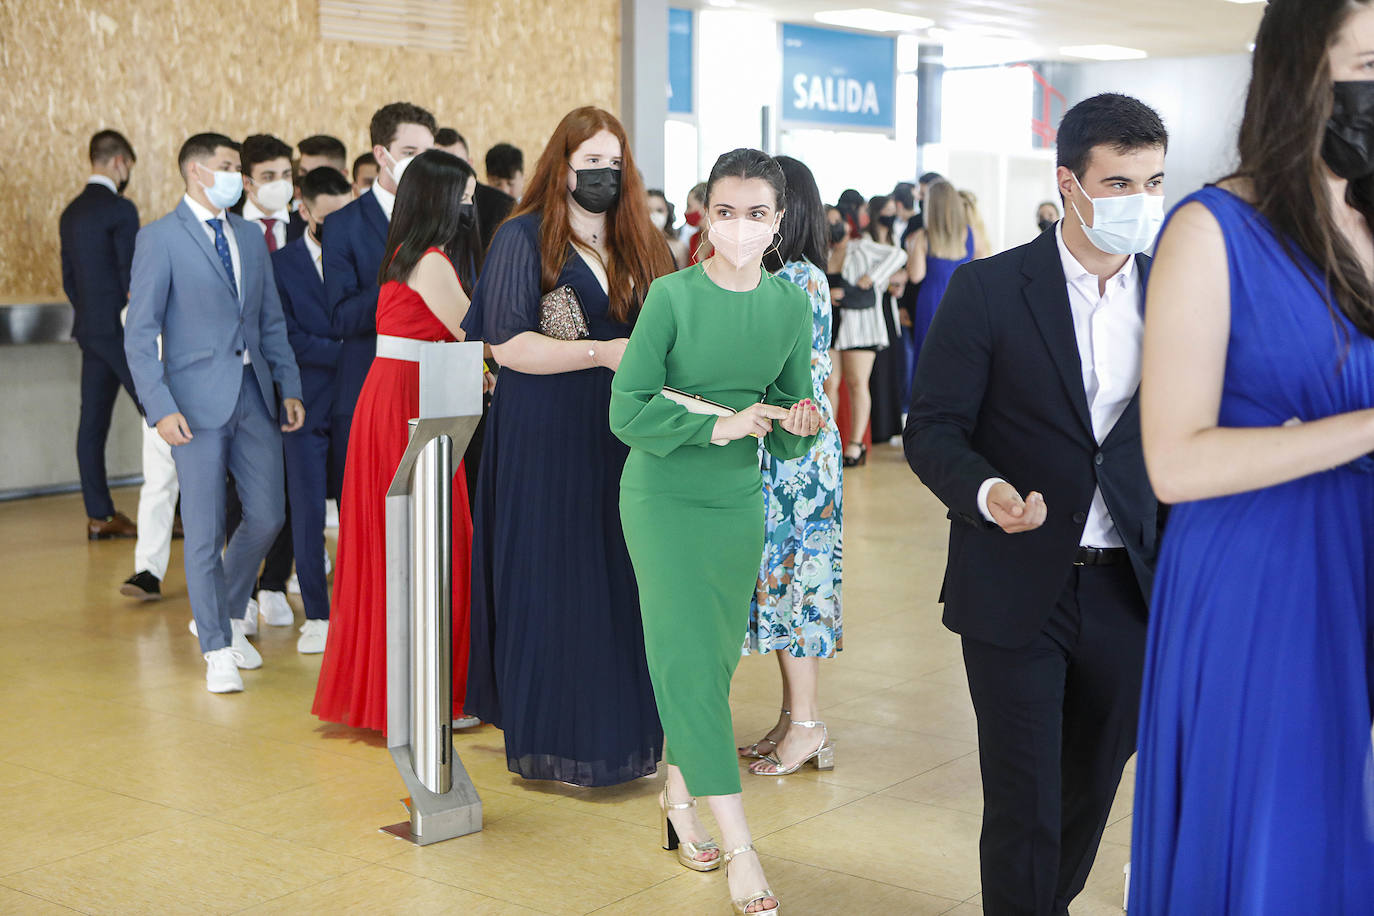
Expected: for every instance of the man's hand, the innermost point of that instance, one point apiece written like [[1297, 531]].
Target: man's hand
[[174, 429], [1013, 514], [295, 415]]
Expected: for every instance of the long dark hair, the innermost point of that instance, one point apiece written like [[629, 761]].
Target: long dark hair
[[1281, 138], [849, 205], [637, 252], [428, 215], [803, 227], [875, 212]]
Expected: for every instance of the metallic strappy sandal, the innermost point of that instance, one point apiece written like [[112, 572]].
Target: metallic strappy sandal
[[752, 752], [824, 756], [743, 904], [687, 851]]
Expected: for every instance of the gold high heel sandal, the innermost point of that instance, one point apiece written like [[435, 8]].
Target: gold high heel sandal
[[752, 752], [687, 851], [743, 904], [824, 756]]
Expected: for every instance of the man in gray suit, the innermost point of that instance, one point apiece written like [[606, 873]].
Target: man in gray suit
[[203, 281]]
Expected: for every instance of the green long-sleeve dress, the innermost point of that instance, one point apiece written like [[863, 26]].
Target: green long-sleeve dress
[[692, 512]]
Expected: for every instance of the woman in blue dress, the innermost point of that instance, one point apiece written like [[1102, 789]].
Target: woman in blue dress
[[795, 612], [557, 654], [1255, 784], [933, 253]]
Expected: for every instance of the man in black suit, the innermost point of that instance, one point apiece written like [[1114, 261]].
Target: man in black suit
[[97, 233], [316, 151], [1027, 384]]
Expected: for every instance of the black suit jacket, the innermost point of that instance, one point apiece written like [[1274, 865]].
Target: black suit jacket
[[999, 393], [353, 250], [306, 311], [295, 227], [493, 207], [97, 232]]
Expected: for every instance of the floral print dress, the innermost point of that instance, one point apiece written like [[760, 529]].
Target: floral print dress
[[796, 605]]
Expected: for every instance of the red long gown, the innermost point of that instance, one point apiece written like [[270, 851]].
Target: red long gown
[[352, 684]]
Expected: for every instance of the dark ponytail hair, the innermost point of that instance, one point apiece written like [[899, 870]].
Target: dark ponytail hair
[[1281, 137], [803, 228], [427, 215], [749, 163]]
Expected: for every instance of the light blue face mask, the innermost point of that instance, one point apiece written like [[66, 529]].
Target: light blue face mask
[[1122, 225], [226, 190]]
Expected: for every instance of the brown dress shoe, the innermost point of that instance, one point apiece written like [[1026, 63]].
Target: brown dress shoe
[[118, 525]]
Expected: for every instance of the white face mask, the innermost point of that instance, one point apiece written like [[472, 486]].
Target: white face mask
[[1122, 225], [659, 218], [398, 167], [275, 195], [225, 189]]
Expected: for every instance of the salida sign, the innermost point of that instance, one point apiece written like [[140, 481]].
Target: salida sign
[[838, 79]]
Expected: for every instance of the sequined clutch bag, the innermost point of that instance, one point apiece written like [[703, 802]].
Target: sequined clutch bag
[[561, 315]]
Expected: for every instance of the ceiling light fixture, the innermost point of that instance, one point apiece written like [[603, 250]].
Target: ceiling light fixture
[[1103, 52], [871, 20]]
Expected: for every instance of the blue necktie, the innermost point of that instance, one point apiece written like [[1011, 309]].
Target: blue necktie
[[222, 246]]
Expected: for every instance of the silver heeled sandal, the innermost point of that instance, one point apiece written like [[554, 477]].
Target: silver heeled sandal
[[687, 851], [743, 904], [824, 756], [752, 752]]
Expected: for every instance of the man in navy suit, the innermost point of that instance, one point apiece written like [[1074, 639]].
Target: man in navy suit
[[355, 247], [315, 151], [221, 392], [312, 472], [97, 231]]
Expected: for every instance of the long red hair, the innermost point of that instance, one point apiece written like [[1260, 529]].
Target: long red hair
[[637, 252]]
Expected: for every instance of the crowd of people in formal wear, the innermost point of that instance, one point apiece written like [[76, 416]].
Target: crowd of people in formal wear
[[1159, 527]]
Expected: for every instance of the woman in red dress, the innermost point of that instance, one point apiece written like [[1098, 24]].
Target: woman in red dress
[[423, 298]]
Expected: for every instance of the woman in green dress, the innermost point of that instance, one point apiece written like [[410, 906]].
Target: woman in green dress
[[691, 498]]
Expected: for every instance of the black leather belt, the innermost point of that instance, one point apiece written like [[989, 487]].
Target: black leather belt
[[1100, 556]]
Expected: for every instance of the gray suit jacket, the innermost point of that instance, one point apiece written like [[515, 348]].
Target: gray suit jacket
[[179, 289]]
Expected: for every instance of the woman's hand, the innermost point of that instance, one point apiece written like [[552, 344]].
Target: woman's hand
[[755, 420], [865, 282], [488, 382], [804, 419], [609, 353]]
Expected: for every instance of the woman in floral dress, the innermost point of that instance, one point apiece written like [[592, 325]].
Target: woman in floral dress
[[796, 608]]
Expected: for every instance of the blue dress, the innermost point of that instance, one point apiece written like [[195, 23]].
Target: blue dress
[[1255, 785], [796, 604], [928, 296], [557, 653]]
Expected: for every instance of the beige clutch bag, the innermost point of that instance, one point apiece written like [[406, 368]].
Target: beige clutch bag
[[696, 404]]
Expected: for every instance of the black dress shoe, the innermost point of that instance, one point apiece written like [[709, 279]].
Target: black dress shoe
[[142, 585]]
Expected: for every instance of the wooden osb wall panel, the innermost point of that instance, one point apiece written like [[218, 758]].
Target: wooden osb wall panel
[[160, 70]]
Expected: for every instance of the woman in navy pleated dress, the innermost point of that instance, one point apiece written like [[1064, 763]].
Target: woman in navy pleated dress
[[557, 655], [1255, 780]]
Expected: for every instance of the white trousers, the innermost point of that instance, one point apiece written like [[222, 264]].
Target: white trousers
[[157, 501]]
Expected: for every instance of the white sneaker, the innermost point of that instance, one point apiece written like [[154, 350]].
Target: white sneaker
[[250, 618], [276, 611], [331, 513], [468, 722], [293, 585], [314, 634], [222, 671], [248, 656]]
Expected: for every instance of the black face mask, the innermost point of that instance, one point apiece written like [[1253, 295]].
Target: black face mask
[[317, 231], [467, 216], [887, 222], [1349, 144], [1046, 223], [597, 189], [837, 233]]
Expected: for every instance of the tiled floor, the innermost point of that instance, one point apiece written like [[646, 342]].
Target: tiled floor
[[126, 788]]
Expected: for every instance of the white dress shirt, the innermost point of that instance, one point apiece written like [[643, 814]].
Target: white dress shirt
[[106, 180], [385, 198], [1109, 327], [202, 214], [316, 253], [253, 213]]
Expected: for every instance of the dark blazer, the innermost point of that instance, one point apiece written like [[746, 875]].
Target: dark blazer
[[97, 232], [493, 207], [307, 327], [999, 393], [353, 251], [295, 227]]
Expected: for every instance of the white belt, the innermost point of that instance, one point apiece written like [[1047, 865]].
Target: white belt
[[403, 348]]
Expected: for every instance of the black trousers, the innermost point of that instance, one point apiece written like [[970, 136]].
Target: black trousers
[[104, 370], [1056, 725]]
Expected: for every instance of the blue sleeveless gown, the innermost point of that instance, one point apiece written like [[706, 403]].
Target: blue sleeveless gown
[[1254, 784]]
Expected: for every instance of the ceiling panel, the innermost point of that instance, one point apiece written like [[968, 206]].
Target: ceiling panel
[[1161, 28]]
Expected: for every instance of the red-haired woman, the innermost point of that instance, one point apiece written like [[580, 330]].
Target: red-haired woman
[[557, 645]]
